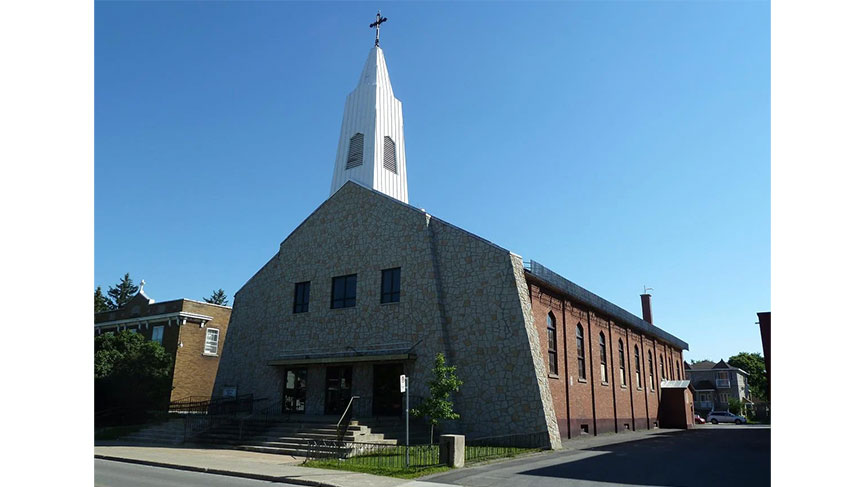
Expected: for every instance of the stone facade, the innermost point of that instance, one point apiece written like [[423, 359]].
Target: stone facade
[[460, 295]]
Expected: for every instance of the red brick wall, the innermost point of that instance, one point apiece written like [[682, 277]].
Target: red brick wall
[[599, 407]]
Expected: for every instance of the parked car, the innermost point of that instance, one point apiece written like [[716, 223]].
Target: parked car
[[716, 417], [699, 419]]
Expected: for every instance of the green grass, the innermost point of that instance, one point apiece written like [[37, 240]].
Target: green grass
[[391, 461]]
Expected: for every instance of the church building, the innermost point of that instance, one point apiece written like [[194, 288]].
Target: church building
[[369, 287]]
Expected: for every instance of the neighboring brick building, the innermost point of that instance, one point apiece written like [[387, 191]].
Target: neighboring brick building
[[715, 384], [191, 331]]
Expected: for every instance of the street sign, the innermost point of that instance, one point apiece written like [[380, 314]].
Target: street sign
[[402, 383]]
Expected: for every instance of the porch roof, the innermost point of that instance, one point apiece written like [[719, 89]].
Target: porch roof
[[378, 353]]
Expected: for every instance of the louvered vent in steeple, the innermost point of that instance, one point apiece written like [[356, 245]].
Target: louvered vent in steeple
[[389, 160], [355, 151]]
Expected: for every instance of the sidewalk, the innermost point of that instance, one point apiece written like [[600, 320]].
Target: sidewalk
[[238, 463], [287, 469]]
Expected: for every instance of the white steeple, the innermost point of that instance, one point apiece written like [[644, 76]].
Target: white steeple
[[371, 148]]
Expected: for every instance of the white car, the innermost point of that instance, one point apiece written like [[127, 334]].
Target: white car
[[716, 417]]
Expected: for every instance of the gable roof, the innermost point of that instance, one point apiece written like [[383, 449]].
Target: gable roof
[[591, 299], [533, 269], [702, 365], [721, 365]]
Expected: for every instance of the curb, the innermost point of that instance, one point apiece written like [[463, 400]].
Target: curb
[[228, 473]]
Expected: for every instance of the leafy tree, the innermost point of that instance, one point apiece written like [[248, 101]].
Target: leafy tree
[[101, 303], [122, 292], [755, 366], [734, 406], [217, 297], [132, 374], [438, 406]]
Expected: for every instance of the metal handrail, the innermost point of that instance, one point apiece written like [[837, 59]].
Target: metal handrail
[[340, 430], [263, 417]]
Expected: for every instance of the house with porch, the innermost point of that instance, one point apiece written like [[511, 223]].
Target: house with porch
[[715, 384]]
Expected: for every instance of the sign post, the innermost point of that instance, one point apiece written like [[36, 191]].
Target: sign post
[[403, 387]]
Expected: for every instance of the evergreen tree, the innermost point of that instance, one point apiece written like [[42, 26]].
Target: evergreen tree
[[438, 406], [101, 303], [217, 297], [122, 292]]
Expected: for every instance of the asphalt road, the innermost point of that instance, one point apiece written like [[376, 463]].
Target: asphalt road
[[710, 456], [109, 473]]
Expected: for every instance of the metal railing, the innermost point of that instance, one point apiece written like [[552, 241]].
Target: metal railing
[[345, 419], [214, 413], [325, 452], [486, 448], [191, 404], [261, 419]]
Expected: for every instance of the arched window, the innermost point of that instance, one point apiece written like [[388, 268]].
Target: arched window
[[678, 375], [670, 363], [603, 345], [622, 377], [661, 366], [637, 367], [551, 344], [389, 159], [355, 151], [651, 372], [581, 354]]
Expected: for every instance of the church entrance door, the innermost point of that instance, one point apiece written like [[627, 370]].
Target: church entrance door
[[338, 391], [386, 398], [294, 393]]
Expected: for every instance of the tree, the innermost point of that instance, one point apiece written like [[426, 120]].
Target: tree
[[131, 373], [100, 302], [755, 366], [122, 292], [438, 406], [734, 406], [217, 297]]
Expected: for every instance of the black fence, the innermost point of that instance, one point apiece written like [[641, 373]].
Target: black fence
[[347, 453], [490, 447], [385, 456]]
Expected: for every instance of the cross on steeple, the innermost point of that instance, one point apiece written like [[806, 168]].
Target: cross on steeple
[[378, 21]]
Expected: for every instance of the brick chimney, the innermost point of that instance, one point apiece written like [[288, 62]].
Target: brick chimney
[[647, 306]]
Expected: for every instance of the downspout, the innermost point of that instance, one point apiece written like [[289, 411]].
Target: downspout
[[567, 375], [592, 370], [612, 382], [646, 386], [630, 375]]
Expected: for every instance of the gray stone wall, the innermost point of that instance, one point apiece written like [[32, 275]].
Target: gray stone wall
[[460, 295]]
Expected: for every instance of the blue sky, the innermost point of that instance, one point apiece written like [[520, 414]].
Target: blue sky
[[621, 144]]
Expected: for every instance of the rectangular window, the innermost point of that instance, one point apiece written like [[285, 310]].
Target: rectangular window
[[156, 336], [390, 285], [211, 341], [301, 297], [343, 292]]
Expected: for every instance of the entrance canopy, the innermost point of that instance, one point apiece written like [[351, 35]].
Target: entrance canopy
[[390, 352]]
